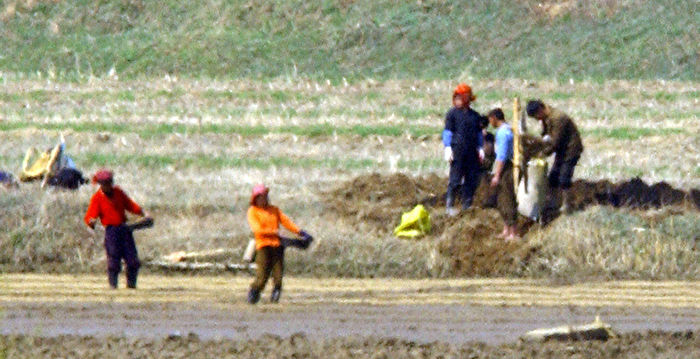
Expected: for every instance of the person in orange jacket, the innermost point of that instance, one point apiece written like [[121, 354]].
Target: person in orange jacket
[[110, 204], [264, 220]]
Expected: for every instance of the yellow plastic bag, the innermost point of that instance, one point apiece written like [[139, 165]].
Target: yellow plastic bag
[[37, 165], [414, 223]]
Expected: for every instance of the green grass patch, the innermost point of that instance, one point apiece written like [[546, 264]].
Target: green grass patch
[[153, 130], [632, 133], [354, 40], [180, 161]]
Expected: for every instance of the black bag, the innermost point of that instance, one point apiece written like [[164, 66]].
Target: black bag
[[298, 243], [69, 178]]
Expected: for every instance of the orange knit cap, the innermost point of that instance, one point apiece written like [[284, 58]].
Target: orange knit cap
[[465, 91]]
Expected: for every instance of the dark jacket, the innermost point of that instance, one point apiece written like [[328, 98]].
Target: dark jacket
[[566, 140], [464, 124]]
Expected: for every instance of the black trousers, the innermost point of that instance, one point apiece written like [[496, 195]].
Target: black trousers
[[467, 169], [562, 172], [119, 244]]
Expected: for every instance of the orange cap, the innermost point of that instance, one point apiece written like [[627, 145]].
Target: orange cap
[[464, 90]]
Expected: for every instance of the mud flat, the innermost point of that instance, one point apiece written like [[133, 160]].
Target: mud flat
[[77, 316], [636, 345]]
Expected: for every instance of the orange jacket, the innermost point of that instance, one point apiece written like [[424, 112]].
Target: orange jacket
[[111, 211], [265, 224]]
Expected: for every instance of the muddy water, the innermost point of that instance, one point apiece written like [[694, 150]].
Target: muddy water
[[450, 323]]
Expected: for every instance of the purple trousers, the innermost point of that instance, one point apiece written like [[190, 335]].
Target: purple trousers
[[119, 244]]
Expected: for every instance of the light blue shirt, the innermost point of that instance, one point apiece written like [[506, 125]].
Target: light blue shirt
[[447, 138], [504, 143]]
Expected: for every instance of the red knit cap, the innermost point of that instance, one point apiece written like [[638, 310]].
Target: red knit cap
[[102, 176]]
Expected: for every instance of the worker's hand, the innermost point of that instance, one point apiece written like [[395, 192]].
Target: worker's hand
[[91, 228], [92, 223], [547, 138], [449, 157], [495, 181], [482, 155]]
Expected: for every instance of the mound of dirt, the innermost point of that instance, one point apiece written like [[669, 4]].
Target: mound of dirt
[[473, 248], [634, 193], [380, 199], [469, 242]]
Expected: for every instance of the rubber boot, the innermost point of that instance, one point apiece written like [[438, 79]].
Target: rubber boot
[[113, 279], [253, 296], [131, 275], [275, 296]]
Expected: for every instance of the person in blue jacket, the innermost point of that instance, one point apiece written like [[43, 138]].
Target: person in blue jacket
[[463, 140]]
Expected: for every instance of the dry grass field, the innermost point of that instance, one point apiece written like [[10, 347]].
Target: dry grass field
[[190, 150]]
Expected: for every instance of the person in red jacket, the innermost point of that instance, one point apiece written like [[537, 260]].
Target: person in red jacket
[[109, 204], [264, 220]]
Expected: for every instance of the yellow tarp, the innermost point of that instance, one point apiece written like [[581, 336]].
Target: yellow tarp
[[41, 165], [414, 223]]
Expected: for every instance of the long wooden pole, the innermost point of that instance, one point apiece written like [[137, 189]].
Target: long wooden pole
[[516, 143]]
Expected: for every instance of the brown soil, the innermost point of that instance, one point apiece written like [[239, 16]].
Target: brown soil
[[66, 316], [472, 245], [379, 199], [638, 345], [469, 241], [634, 193]]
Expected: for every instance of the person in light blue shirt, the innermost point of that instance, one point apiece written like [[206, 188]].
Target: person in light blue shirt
[[502, 180]]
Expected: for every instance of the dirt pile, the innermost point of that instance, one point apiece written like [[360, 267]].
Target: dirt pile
[[381, 199], [469, 241], [634, 193], [471, 244], [638, 345]]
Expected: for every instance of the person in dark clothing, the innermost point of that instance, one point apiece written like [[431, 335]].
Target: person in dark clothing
[[110, 204], [562, 138], [489, 152], [463, 140]]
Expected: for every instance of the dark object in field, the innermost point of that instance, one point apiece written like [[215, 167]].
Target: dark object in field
[[297, 243], [141, 224], [7, 179], [634, 193], [695, 197], [69, 178]]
